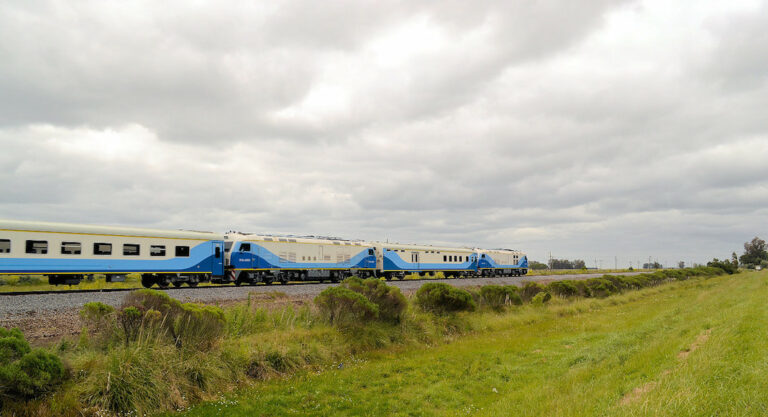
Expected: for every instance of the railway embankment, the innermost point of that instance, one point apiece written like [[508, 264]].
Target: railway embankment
[[48, 315], [162, 354]]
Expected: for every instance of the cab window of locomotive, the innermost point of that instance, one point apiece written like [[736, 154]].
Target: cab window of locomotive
[[71, 248], [182, 251], [370, 251], [102, 249], [5, 246], [245, 247], [131, 250], [157, 250]]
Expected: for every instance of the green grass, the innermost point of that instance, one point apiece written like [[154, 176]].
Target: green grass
[[619, 356]]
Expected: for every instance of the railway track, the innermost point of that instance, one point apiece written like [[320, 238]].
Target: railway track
[[202, 287]]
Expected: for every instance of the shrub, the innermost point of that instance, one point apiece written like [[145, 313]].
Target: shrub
[[26, 373], [513, 295], [188, 324], [494, 296], [726, 266], [30, 280], [563, 288], [130, 319], [497, 297], [96, 311], [390, 301], [541, 298], [601, 287], [442, 298], [529, 290], [343, 306]]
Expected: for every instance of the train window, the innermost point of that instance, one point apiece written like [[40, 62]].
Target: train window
[[159, 250], [445, 258], [347, 243], [370, 251], [37, 246], [292, 240], [182, 251], [302, 258], [268, 239], [102, 249], [217, 252], [245, 247], [483, 256], [337, 243], [71, 248], [283, 240], [467, 259], [131, 249], [5, 246]]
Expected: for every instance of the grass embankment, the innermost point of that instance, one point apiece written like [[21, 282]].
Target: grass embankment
[[688, 348], [156, 354], [17, 283]]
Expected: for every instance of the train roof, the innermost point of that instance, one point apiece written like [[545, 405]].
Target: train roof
[[420, 247], [47, 227], [295, 239], [500, 250]]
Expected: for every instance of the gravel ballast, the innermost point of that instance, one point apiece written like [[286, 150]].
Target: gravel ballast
[[15, 306]]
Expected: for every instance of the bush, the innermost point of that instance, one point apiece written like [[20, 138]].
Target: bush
[[601, 287], [441, 298], [563, 288], [26, 373], [343, 306], [189, 325], [541, 298], [529, 290], [513, 295], [30, 280], [726, 266], [390, 301], [497, 297]]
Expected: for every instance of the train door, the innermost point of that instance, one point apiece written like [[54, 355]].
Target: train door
[[415, 260], [218, 259]]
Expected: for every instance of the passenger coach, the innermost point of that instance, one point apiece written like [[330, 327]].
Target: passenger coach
[[262, 258], [67, 253], [398, 260]]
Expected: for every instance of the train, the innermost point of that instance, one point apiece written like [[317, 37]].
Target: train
[[68, 253]]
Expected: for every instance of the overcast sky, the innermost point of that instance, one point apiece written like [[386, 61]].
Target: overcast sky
[[590, 129]]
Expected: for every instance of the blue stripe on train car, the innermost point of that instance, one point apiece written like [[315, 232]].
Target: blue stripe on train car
[[201, 260], [261, 258], [393, 262], [488, 262]]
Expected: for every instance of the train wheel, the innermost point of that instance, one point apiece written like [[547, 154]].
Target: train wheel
[[388, 276], [177, 284], [147, 281], [193, 284]]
